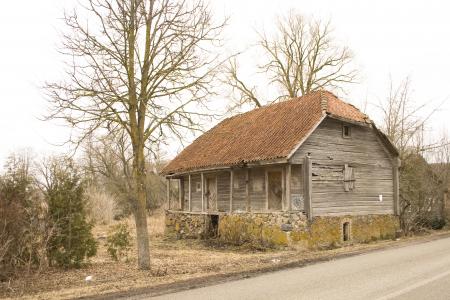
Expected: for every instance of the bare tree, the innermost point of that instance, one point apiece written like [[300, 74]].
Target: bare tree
[[301, 57], [140, 66], [108, 163], [401, 122], [246, 94], [420, 185]]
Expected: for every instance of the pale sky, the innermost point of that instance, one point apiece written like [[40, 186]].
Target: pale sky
[[400, 38]]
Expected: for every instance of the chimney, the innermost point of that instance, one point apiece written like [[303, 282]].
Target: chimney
[[323, 101]]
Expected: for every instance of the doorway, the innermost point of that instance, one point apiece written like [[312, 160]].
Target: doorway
[[211, 193], [275, 190]]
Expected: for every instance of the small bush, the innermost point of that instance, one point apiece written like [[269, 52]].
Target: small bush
[[72, 242], [437, 223], [118, 241]]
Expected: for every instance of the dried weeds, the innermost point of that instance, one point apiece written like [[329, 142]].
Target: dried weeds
[[172, 261]]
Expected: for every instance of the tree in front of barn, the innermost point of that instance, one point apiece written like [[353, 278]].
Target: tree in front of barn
[[139, 67]]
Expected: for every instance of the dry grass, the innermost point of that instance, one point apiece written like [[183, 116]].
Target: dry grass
[[101, 205], [172, 261]]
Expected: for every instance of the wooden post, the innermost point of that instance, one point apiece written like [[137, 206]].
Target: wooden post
[[266, 183], [283, 189], [396, 184], [190, 194], [168, 193], [247, 189], [231, 190], [288, 187], [203, 191], [181, 193], [308, 187], [445, 207]]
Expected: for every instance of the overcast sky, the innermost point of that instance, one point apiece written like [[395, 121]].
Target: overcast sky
[[400, 38]]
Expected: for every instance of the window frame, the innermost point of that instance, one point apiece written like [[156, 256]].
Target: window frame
[[349, 131]]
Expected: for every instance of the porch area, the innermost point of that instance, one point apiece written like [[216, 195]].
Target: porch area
[[257, 189]]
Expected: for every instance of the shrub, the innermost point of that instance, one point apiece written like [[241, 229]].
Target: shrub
[[437, 223], [118, 241], [24, 229], [72, 242]]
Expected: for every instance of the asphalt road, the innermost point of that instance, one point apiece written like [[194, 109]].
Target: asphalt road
[[419, 271]]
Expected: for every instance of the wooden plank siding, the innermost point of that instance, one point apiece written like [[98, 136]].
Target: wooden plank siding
[[196, 194], [297, 197], [329, 152], [257, 189], [223, 191], [239, 190]]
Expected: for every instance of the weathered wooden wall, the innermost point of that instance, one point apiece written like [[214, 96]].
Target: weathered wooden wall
[[297, 187], [257, 189], [196, 196], [329, 152], [239, 191], [223, 191]]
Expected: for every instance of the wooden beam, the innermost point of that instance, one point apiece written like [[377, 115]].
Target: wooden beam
[[288, 187], [181, 193], [168, 193], [203, 191], [231, 189], [308, 188], [396, 184], [247, 189], [190, 193]]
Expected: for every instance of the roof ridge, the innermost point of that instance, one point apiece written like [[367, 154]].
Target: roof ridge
[[323, 101]]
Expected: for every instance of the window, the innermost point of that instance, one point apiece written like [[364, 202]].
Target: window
[[236, 183], [346, 231], [275, 190], [346, 131], [198, 187], [257, 184], [349, 178]]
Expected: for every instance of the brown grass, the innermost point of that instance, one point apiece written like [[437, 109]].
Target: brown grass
[[172, 260]]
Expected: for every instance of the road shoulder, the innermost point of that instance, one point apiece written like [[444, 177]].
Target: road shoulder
[[292, 262]]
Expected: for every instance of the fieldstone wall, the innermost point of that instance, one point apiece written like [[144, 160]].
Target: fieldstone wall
[[265, 229], [186, 225], [328, 231], [278, 229]]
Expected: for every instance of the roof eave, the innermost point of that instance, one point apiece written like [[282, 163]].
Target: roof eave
[[242, 164]]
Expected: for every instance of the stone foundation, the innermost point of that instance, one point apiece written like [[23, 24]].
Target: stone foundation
[[277, 229], [186, 225]]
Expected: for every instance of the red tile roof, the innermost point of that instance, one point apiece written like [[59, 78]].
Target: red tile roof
[[269, 132]]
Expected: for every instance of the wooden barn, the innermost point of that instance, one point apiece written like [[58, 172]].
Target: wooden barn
[[295, 171]]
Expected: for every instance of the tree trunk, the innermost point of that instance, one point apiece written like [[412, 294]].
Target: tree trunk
[[140, 213]]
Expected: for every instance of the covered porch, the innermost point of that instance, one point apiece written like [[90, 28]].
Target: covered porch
[[280, 187]]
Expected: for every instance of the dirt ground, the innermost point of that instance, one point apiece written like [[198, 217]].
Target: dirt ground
[[172, 261]]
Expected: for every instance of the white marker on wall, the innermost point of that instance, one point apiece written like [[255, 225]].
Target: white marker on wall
[[380, 198]]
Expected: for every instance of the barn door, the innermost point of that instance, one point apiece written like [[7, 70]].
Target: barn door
[[275, 191], [211, 193]]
